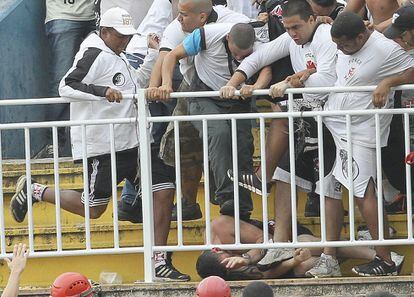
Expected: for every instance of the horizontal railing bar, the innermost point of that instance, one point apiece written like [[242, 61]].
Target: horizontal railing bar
[[267, 115], [32, 125], [128, 250], [317, 244], [314, 90]]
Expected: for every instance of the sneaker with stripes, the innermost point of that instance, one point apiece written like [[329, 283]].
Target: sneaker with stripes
[[249, 181], [168, 273], [377, 267], [18, 203]]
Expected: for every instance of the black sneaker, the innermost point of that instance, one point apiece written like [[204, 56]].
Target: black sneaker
[[168, 273], [129, 213], [377, 267], [189, 212], [249, 181], [18, 203]]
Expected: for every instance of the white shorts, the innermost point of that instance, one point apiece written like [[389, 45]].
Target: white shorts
[[364, 166], [332, 186]]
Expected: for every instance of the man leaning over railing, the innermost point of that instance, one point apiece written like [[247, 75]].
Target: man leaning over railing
[[365, 58], [101, 71], [312, 52], [216, 47]]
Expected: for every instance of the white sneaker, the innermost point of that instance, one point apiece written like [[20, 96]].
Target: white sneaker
[[326, 266], [274, 256]]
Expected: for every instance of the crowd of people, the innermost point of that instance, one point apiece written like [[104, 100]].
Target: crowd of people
[[196, 45]]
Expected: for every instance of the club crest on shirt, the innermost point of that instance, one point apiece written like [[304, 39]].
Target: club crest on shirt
[[343, 154], [353, 64], [310, 61], [118, 79], [277, 11]]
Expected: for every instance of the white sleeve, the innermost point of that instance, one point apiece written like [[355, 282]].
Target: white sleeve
[[144, 70], [325, 55], [265, 55], [397, 62], [172, 36], [74, 83], [157, 18]]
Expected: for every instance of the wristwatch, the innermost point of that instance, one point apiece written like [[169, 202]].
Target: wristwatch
[[247, 257]]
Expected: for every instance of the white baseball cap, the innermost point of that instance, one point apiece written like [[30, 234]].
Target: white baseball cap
[[119, 19]]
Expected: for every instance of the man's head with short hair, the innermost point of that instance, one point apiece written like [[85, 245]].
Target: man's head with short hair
[[300, 8], [241, 39], [299, 20], [193, 14], [209, 264], [349, 32], [257, 288]]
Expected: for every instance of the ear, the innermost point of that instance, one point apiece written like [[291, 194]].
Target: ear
[[227, 37], [203, 17]]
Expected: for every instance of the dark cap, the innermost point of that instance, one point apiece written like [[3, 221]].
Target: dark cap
[[402, 20]]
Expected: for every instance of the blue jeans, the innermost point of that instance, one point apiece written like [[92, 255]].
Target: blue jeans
[[64, 39]]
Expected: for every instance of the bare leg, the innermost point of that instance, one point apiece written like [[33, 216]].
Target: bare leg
[[283, 210], [277, 143], [368, 207], [163, 202], [70, 201], [190, 180], [334, 221]]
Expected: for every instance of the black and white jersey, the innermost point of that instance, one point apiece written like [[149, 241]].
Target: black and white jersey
[[96, 67]]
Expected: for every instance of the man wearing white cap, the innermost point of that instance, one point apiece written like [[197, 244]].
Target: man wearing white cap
[[99, 74]]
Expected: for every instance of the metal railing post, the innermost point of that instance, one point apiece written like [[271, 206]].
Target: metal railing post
[[146, 184]]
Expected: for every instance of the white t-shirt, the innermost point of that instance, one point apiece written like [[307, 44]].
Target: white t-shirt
[[173, 35], [155, 21], [379, 58], [319, 53], [213, 60], [72, 10]]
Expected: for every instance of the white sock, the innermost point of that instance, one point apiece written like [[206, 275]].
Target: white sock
[[159, 259], [37, 191]]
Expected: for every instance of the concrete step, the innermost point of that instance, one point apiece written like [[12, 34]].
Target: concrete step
[[338, 287]]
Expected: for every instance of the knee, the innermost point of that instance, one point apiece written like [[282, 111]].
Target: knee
[[96, 212]]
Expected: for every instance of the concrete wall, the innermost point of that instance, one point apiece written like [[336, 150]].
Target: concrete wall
[[23, 71]]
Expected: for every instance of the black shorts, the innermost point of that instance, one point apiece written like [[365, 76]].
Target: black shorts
[[100, 177], [306, 157]]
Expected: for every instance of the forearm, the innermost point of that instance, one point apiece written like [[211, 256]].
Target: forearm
[[381, 27], [168, 69], [236, 80], [265, 76], [155, 80], [12, 287], [407, 77]]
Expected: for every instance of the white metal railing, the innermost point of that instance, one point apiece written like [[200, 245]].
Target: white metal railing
[[144, 122]]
